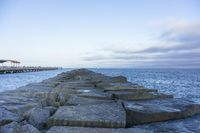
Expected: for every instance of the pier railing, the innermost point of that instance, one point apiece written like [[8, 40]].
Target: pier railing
[[6, 70]]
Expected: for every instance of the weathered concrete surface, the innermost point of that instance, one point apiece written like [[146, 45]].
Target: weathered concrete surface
[[95, 94], [124, 85], [108, 115], [140, 112], [85, 98], [38, 117], [187, 125], [77, 100], [139, 95], [61, 129], [17, 102], [15, 127], [7, 116], [110, 89]]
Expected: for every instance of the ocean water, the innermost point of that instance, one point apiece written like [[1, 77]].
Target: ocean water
[[183, 83], [13, 81]]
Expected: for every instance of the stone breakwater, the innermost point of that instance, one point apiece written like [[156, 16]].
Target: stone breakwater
[[82, 101]]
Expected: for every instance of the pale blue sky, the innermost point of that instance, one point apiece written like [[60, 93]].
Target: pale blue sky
[[101, 33]]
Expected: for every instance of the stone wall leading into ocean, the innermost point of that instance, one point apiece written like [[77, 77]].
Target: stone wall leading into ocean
[[82, 101]]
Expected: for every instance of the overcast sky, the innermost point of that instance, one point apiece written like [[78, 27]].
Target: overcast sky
[[101, 33]]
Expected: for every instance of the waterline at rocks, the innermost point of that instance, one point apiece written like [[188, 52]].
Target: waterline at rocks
[[84, 101]]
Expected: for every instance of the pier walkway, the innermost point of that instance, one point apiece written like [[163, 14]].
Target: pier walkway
[[7, 70]]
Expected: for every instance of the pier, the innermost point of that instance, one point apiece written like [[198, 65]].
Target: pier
[[8, 70], [15, 68]]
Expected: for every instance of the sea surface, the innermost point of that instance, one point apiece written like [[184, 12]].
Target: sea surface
[[13, 81], [183, 83]]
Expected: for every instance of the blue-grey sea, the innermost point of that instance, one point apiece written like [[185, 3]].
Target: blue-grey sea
[[183, 83]]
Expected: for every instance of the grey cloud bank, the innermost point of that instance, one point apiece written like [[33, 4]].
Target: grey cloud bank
[[179, 48]]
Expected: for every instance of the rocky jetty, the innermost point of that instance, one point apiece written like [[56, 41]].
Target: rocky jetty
[[82, 101]]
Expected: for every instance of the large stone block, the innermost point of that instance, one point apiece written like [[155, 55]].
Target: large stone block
[[139, 90], [15, 127], [159, 110], [28, 129], [20, 108], [77, 83], [35, 87], [187, 125], [95, 94], [139, 95], [7, 116], [124, 86], [77, 100], [108, 115], [17, 103], [38, 117], [119, 79], [61, 129]]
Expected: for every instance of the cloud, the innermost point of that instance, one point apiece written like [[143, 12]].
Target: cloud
[[182, 32], [184, 37], [178, 46]]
